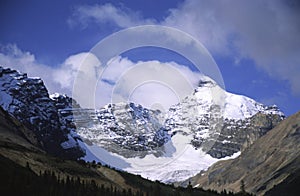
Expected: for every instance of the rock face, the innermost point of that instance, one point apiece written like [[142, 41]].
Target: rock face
[[221, 128], [211, 120], [268, 162], [123, 128], [237, 135], [218, 128], [27, 99]]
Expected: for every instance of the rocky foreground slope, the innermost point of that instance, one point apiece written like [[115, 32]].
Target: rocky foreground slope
[[271, 160]]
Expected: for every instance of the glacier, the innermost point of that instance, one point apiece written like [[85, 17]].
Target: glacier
[[191, 142], [180, 161]]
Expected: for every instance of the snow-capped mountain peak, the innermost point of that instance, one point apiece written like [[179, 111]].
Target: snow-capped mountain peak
[[206, 81], [208, 125], [232, 106]]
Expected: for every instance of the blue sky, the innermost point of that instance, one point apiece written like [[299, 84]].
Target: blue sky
[[255, 43]]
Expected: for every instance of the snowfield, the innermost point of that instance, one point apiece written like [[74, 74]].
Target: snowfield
[[189, 121], [180, 161]]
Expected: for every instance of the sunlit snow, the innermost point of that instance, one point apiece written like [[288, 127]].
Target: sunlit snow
[[180, 161]]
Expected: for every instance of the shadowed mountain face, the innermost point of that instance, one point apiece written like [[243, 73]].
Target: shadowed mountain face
[[27, 99], [272, 159]]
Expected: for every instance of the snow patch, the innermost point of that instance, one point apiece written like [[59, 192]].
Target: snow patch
[[179, 162]]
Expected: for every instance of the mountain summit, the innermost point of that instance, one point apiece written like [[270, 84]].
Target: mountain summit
[[209, 125]]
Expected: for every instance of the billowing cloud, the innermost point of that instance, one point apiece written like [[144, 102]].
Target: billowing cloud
[[266, 32], [13, 57], [57, 79], [150, 83], [84, 63]]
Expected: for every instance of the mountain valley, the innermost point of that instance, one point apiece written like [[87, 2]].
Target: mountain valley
[[191, 142]]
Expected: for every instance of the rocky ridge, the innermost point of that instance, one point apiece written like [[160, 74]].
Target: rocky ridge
[[271, 160], [220, 129], [27, 99], [123, 128]]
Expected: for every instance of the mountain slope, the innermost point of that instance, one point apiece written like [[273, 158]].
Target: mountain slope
[[124, 128], [190, 137], [220, 122], [209, 125], [268, 162], [28, 170], [27, 99]]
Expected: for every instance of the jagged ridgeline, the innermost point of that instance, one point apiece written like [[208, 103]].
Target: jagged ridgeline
[[132, 131], [27, 99], [27, 170]]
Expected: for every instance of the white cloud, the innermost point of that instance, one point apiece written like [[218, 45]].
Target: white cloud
[[151, 83], [107, 13], [266, 32], [112, 73], [57, 79], [200, 19], [65, 75], [13, 57]]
